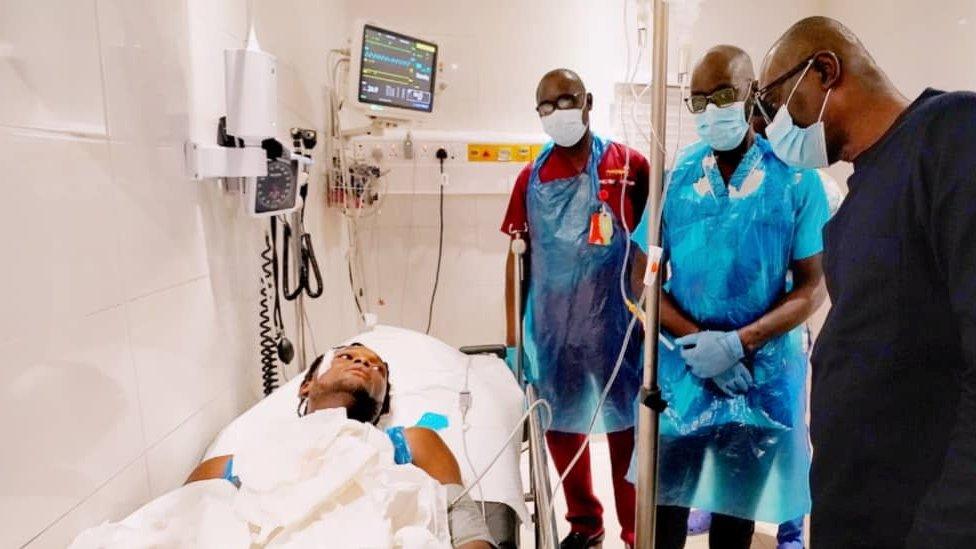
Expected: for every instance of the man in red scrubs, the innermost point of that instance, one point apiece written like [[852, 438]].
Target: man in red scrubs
[[574, 205]]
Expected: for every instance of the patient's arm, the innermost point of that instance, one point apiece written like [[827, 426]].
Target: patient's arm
[[428, 449], [435, 458], [209, 469], [432, 455]]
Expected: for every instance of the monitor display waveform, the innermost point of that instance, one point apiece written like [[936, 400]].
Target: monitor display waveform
[[397, 70]]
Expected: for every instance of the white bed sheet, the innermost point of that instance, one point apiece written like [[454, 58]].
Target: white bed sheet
[[427, 376], [316, 481]]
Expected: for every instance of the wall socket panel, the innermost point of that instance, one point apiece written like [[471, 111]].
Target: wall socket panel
[[391, 152]]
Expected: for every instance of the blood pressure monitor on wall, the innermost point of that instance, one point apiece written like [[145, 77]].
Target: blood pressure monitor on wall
[[275, 193], [278, 192]]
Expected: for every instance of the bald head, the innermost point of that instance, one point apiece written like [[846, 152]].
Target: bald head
[[813, 35], [561, 94], [559, 82], [722, 67], [821, 71]]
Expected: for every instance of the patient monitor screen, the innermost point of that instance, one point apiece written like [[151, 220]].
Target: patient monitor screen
[[396, 70]]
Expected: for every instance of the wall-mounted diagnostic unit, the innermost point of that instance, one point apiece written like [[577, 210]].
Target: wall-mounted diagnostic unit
[[392, 75], [281, 190], [250, 86], [274, 193]]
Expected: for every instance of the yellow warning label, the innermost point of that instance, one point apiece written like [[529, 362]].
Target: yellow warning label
[[503, 152]]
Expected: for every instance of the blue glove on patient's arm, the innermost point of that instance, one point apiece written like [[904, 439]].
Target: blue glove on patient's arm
[[708, 354], [734, 381]]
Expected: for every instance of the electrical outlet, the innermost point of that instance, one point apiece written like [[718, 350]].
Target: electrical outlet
[[434, 147]]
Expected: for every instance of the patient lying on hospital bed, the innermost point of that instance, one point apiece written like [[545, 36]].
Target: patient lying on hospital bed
[[327, 478], [358, 381]]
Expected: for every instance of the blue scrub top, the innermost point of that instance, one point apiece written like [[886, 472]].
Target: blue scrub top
[[811, 208]]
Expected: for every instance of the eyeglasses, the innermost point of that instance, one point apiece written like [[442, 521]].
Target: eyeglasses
[[722, 98], [765, 107], [563, 102]]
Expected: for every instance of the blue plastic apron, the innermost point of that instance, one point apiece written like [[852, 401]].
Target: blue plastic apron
[[729, 253], [575, 318]]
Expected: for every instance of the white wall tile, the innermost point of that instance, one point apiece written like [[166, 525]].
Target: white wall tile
[[159, 218], [114, 500], [62, 244], [425, 210], [173, 458], [396, 211], [490, 210], [111, 226], [146, 62], [50, 74], [401, 261], [184, 357], [226, 16], [419, 269], [297, 96], [68, 397], [206, 77]]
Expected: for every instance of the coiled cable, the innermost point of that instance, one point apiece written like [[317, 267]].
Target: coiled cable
[[269, 347]]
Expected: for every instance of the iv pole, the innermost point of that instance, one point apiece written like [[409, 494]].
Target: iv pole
[[651, 403], [296, 251]]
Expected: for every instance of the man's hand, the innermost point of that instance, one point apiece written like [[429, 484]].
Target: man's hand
[[809, 292], [709, 354], [735, 381]]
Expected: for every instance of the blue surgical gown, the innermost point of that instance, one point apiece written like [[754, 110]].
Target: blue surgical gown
[[729, 249]]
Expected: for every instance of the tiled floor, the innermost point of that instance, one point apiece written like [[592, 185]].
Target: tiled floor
[[765, 537]]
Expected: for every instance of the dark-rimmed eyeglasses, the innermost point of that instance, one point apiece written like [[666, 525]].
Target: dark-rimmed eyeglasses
[[697, 103], [563, 102], [767, 109]]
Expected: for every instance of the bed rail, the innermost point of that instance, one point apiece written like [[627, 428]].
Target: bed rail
[[540, 488], [546, 534], [497, 350]]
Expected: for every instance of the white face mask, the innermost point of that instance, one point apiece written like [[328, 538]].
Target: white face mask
[[565, 126]]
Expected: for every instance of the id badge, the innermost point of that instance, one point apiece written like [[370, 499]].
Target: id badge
[[601, 228]]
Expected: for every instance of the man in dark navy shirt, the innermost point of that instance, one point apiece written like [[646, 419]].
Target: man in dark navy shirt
[[894, 370]]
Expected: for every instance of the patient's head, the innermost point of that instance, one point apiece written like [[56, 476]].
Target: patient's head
[[356, 379]]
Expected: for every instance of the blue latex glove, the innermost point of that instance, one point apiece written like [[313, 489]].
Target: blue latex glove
[[734, 381], [708, 354]]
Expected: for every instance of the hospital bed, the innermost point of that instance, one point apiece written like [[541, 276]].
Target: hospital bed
[[427, 378]]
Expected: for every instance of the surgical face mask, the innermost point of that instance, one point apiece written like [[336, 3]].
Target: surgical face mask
[[799, 147], [722, 128], [565, 126]]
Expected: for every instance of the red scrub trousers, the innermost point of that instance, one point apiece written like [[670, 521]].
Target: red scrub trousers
[[585, 513]]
